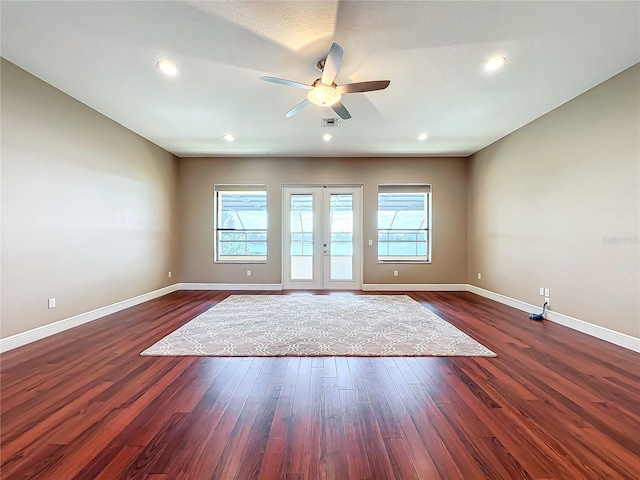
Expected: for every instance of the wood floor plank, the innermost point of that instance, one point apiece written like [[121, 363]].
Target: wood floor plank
[[554, 404], [385, 416], [344, 375], [278, 371], [282, 415], [299, 422], [117, 466], [401, 463], [436, 451], [147, 432], [271, 465], [228, 463], [253, 455], [329, 367], [529, 452], [89, 444], [315, 460], [12, 446], [178, 399], [335, 449], [357, 378], [465, 458], [415, 450], [373, 442], [357, 460], [215, 419]]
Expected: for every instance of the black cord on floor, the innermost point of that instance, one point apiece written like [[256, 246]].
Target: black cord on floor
[[539, 316]]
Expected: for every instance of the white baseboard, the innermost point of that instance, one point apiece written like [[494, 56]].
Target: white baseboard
[[230, 286], [606, 334], [20, 339], [512, 302], [617, 338], [414, 287]]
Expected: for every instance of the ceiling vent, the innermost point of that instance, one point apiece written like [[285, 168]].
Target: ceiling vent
[[331, 122]]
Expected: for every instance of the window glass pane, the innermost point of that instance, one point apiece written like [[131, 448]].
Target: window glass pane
[[241, 225], [385, 217], [301, 245], [253, 219], [341, 211], [403, 225]]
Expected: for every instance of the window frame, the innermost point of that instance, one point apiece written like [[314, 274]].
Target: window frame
[[219, 191], [405, 188]]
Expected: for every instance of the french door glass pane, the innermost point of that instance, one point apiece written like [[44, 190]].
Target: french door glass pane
[[301, 228], [341, 211]]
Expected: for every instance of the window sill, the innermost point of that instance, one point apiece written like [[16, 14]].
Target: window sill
[[405, 261], [241, 262]]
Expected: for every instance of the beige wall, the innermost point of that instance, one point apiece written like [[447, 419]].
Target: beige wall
[[197, 177], [88, 207], [556, 204]]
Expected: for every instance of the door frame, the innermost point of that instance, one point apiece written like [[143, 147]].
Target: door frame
[[322, 227]]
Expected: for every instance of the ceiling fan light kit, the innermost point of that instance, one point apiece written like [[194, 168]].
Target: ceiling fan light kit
[[494, 64], [323, 95], [169, 68], [324, 92]]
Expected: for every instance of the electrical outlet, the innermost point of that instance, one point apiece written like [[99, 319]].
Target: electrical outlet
[[395, 273], [546, 292], [370, 242], [541, 291], [546, 300], [169, 274], [52, 303], [479, 276], [248, 273]]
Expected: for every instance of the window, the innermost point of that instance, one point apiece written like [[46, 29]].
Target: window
[[240, 223], [404, 223]]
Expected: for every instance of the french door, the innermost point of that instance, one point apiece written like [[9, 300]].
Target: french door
[[322, 238]]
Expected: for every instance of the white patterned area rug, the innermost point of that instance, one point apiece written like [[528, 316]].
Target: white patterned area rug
[[318, 325]]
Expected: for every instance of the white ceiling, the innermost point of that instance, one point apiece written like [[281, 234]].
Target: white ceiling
[[105, 54]]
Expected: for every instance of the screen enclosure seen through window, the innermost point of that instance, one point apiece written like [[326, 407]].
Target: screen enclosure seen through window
[[404, 223], [240, 223]]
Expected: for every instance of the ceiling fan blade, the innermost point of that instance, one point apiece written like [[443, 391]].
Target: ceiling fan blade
[[341, 110], [288, 83], [332, 64], [363, 86], [297, 108]]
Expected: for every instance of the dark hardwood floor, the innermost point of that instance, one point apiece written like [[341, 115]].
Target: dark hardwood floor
[[554, 404]]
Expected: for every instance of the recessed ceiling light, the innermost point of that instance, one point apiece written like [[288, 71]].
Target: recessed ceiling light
[[228, 137], [494, 64], [326, 137], [423, 136], [168, 67]]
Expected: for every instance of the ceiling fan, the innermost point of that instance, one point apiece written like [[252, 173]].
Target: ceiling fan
[[324, 92]]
